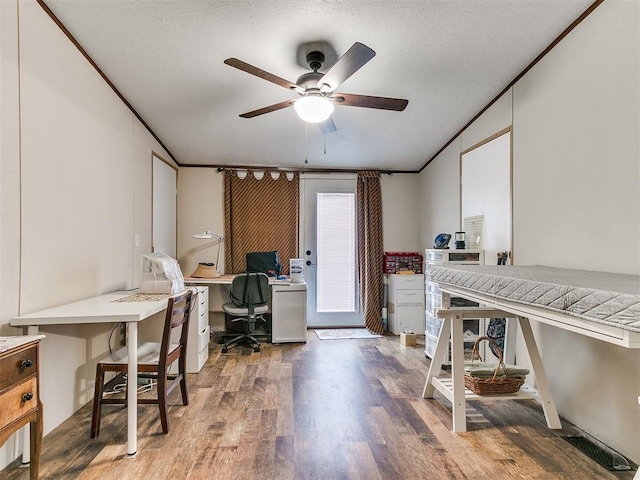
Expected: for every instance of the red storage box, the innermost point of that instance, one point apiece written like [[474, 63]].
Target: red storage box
[[395, 262]]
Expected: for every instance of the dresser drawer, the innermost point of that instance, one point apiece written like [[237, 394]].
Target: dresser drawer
[[203, 321], [18, 366], [433, 287], [19, 401], [413, 297], [433, 325], [433, 303], [408, 282], [435, 257], [203, 301], [203, 339]]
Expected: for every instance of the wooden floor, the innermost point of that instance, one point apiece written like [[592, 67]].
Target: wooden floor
[[327, 409]]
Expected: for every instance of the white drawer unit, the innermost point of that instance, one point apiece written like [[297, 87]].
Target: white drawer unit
[[406, 303], [198, 343], [434, 300], [434, 256], [289, 309]]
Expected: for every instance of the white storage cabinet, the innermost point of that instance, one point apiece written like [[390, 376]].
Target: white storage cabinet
[[289, 312], [435, 299], [406, 303], [198, 342]]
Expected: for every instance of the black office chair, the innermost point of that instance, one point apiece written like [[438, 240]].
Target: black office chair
[[249, 300], [154, 361]]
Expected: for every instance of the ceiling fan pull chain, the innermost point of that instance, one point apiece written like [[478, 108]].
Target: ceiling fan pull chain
[[306, 141], [325, 143]]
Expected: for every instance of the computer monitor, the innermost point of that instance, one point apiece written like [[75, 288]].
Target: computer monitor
[[265, 262]]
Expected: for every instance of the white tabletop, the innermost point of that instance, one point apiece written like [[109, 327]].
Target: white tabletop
[[101, 309]]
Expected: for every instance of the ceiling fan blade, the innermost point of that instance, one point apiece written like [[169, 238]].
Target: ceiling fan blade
[[270, 108], [328, 126], [382, 103], [269, 77], [347, 65]]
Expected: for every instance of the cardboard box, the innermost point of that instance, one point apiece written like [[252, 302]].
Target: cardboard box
[[408, 339]]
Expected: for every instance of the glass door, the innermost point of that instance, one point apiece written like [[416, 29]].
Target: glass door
[[329, 250]]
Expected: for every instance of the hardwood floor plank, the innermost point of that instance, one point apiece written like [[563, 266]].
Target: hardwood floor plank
[[284, 463], [324, 410]]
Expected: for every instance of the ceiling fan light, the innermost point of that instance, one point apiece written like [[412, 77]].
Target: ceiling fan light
[[313, 108]]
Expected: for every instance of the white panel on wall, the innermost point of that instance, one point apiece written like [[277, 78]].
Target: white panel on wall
[[576, 148], [439, 195], [77, 208], [165, 196], [200, 208], [486, 191], [400, 212], [9, 168], [9, 187]]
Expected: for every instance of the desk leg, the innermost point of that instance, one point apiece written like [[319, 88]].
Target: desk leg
[[459, 404], [548, 406], [442, 347], [132, 388]]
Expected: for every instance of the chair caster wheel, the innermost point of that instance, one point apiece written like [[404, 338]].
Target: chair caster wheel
[[224, 350], [256, 349]]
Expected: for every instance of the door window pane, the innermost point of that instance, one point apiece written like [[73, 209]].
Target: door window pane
[[336, 246]]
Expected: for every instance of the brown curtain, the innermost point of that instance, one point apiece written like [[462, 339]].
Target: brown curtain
[[370, 248], [260, 216]]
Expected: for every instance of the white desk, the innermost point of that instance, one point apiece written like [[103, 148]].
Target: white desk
[[103, 309], [288, 306]]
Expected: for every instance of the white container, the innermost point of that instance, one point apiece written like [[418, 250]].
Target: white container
[[296, 270]]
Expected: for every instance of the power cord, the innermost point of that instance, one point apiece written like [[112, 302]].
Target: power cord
[[122, 387], [115, 327]]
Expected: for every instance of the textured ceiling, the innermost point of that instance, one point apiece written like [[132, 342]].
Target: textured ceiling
[[449, 58]]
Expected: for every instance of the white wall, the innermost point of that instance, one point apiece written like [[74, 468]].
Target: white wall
[[576, 173], [439, 196], [201, 207], [576, 135], [75, 188], [400, 213], [576, 182]]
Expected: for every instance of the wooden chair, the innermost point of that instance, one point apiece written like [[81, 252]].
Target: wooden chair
[[154, 361]]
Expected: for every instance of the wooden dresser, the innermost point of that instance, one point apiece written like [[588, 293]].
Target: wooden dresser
[[19, 392]]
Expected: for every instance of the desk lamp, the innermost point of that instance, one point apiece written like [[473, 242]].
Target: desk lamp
[[208, 270]]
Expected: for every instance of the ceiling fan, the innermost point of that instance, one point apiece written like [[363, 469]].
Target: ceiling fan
[[318, 90]]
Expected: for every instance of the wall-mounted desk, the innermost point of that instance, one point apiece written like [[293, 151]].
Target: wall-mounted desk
[[288, 306], [103, 309]]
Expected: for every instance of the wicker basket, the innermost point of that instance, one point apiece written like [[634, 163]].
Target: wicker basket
[[496, 385]]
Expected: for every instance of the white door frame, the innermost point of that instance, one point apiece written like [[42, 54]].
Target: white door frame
[[307, 215]]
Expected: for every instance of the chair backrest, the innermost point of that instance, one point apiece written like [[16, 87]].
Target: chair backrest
[[250, 288], [177, 316]]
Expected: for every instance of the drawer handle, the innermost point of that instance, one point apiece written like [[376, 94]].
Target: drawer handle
[[27, 396], [26, 363]]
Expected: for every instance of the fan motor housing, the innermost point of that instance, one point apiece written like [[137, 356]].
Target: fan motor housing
[[309, 81], [315, 60]]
